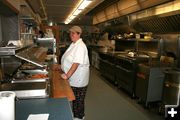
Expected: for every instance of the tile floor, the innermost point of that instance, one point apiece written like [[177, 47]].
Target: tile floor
[[106, 102]]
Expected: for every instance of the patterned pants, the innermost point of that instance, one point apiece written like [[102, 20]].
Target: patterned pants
[[78, 103]]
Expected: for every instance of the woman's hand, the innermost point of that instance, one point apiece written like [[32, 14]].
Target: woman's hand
[[70, 72], [56, 68], [64, 76]]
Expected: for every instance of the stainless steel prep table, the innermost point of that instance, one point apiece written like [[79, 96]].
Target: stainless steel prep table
[[58, 109]]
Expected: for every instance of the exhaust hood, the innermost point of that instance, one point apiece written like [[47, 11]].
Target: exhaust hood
[[159, 19], [165, 23]]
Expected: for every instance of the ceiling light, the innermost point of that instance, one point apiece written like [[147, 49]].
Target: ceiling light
[[76, 12], [67, 21], [72, 17], [84, 4]]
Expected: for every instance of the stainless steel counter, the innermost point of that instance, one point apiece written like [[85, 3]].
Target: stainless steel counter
[[29, 81], [27, 90]]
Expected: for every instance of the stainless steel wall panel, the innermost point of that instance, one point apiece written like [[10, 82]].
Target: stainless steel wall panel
[[9, 28]]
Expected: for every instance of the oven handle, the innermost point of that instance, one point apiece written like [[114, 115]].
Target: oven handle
[[103, 60], [107, 62], [123, 68], [110, 63]]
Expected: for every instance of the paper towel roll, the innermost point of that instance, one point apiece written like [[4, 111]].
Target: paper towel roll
[[7, 105]]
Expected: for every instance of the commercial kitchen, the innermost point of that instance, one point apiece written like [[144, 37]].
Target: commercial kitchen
[[134, 54]]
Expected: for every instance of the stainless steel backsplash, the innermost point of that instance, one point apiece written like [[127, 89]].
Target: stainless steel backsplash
[[9, 29]]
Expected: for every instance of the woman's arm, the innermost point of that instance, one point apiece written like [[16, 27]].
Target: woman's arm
[[71, 71]]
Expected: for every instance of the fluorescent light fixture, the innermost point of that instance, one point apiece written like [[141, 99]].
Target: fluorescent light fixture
[[84, 4], [76, 12], [67, 21], [71, 17]]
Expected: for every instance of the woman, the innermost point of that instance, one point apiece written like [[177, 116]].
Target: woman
[[75, 65]]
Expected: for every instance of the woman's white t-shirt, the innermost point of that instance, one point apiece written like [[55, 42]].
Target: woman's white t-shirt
[[77, 53]]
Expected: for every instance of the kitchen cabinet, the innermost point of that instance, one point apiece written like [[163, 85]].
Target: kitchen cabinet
[[107, 70], [95, 59], [125, 79], [107, 66], [125, 71]]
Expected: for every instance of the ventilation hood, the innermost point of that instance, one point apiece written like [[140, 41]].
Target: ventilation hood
[[159, 24]]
